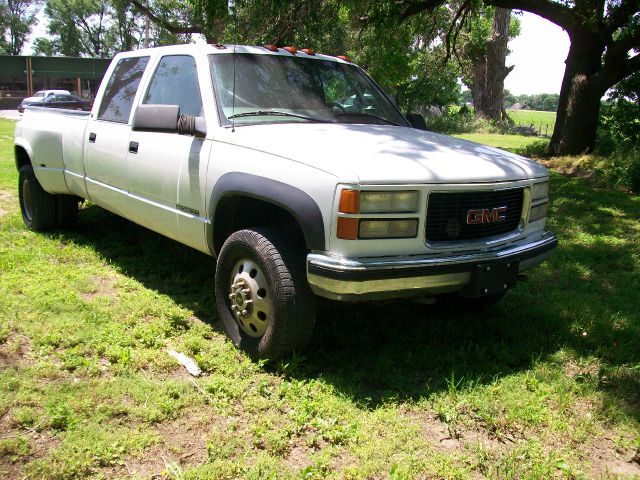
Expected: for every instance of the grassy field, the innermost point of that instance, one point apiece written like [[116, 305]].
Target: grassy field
[[512, 143], [546, 384], [542, 121]]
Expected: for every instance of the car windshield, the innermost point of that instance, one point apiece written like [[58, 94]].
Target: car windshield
[[277, 88], [39, 94]]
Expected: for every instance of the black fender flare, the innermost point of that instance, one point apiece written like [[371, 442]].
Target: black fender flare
[[291, 199]]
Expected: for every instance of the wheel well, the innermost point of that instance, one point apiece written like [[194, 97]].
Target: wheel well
[[22, 157], [236, 212]]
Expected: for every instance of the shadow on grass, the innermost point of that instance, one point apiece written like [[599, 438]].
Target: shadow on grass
[[584, 299]]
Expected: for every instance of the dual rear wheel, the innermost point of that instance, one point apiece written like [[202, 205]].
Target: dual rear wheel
[[43, 211]]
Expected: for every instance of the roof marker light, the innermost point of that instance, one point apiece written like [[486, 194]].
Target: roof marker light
[[308, 51], [291, 50], [271, 47], [344, 57]]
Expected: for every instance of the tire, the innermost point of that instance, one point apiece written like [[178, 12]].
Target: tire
[[266, 268], [67, 210], [38, 207]]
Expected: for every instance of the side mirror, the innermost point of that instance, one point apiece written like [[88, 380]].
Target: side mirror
[[156, 118], [416, 121], [167, 118]]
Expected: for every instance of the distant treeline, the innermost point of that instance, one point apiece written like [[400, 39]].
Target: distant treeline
[[540, 101]]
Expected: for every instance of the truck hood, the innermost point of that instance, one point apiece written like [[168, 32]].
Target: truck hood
[[381, 154]]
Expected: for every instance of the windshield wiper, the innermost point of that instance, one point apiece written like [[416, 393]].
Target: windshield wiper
[[365, 114], [260, 113]]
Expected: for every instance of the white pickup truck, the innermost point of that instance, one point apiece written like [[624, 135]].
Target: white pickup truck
[[298, 173]]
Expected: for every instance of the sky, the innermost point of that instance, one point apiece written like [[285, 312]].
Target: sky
[[538, 54]]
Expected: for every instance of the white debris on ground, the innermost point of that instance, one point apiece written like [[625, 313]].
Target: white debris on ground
[[187, 362]]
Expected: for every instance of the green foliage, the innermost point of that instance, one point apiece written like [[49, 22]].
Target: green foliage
[[452, 120], [535, 149], [17, 19], [547, 102], [619, 134], [94, 28]]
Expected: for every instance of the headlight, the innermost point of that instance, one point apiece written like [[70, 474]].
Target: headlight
[[397, 228], [389, 202], [538, 212], [539, 190]]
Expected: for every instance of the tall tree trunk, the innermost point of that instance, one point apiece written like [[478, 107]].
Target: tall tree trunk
[[496, 69], [478, 83], [489, 71], [579, 103]]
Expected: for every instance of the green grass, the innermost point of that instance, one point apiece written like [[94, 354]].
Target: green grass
[[513, 143], [546, 384], [542, 121]]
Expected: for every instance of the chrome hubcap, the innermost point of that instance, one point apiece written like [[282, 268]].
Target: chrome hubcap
[[249, 298]]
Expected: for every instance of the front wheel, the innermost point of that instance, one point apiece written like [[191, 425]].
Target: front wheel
[[264, 301]]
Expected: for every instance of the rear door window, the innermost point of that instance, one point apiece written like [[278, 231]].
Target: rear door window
[[120, 92]]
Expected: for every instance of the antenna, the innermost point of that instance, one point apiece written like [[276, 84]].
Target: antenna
[[235, 43]]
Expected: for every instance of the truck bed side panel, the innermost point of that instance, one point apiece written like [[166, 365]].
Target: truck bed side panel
[[41, 133]]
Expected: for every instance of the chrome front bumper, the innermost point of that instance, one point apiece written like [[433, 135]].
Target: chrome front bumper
[[413, 275]]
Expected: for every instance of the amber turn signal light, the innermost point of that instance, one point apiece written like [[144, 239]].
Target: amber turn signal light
[[350, 201], [347, 228]]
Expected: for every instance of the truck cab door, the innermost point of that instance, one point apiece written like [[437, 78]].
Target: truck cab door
[[165, 170], [107, 137]]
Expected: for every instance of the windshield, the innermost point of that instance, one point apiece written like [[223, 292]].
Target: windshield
[[275, 88]]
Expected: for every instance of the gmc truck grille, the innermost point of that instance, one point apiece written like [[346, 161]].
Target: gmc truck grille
[[455, 216]]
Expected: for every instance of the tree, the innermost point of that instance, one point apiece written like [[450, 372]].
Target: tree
[[96, 28], [282, 22], [605, 38], [406, 58], [78, 26], [17, 19], [481, 48]]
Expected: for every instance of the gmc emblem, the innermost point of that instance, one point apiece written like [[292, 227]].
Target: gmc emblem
[[484, 215]]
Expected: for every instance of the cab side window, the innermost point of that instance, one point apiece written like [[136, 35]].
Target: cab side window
[[118, 97], [175, 82]]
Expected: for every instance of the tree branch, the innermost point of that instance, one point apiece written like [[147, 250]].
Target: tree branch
[[455, 28], [619, 14], [557, 13], [173, 28], [414, 8]]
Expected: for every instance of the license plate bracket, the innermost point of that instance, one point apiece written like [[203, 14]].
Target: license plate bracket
[[491, 278]]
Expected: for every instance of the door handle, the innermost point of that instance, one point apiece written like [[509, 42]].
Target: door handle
[[133, 147], [92, 137]]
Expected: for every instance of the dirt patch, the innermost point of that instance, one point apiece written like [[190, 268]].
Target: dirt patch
[[102, 287], [39, 446], [5, 198], [14, 351], [440, 437], [606, 459], [183, 442]]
